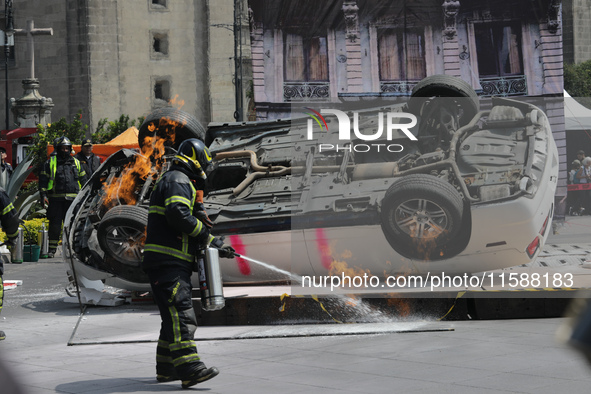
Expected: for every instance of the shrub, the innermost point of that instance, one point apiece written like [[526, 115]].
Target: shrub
[[577, 82], [107, 130], [31, 229], [75, 131]]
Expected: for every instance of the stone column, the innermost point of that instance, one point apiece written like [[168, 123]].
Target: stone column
[[451, 50], [353, 47]]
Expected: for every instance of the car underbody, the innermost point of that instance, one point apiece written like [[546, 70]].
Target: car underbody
[[275, 191]]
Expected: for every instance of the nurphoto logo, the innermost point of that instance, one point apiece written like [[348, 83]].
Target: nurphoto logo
[[393, 121]]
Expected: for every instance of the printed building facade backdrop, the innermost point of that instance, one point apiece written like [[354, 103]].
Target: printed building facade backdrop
[[329, 51]]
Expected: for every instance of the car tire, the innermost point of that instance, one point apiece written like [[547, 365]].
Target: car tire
[[420, 215], [445, 86], [187, 126], [122, 233]]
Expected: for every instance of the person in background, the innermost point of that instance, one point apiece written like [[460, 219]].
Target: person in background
[[584, 176], [5, 165], [581, 156], [60, 181], [10, 222], [574, 200], [89, 160]]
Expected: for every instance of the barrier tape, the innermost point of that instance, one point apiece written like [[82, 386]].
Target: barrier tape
[[460, 294], [578, 186]]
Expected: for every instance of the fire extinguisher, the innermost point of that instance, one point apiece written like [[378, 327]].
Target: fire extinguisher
[[210, 279]]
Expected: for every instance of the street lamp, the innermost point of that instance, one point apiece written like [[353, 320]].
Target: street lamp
[[8, 43]]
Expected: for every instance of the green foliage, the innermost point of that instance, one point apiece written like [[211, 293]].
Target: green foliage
[[27, 203], [18, 177], [577, 82], [107, 130], [75, 131], [32, 228]]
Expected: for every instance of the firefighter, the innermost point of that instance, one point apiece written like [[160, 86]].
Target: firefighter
[[60, 181], [4, 165], [89, 160], [177, 228], [9, 220]]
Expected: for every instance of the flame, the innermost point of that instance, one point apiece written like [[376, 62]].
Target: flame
[[401, 304], [176, 102], [427, 244], [341, 267], [123, 189]]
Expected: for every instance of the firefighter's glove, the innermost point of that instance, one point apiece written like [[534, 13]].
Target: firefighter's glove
[[227, 252], [224, 250], [203, 237], [10, 242], [43, 200], [202, 216]]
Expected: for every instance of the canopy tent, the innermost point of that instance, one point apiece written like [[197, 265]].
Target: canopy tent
[[576, 116], [577, 123], [127, 139]]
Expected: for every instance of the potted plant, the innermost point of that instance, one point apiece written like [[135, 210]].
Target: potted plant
[[31, 238]]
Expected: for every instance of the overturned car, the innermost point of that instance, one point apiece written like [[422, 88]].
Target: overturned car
[[434, 184]]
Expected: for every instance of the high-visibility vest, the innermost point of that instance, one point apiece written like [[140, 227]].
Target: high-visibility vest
[[53, 169]]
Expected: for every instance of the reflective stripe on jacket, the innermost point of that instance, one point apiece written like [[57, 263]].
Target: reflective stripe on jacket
[[172, 228], [8, 215]]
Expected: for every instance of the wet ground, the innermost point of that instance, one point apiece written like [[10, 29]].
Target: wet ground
[[52, 348]]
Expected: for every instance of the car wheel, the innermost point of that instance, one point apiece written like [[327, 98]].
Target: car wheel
[[420, 214], [122, 233], [172, 124], [464, 97]]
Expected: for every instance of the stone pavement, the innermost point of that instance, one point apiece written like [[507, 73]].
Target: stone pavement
[[52, 348]]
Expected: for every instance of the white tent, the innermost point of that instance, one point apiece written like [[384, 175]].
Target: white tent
[[576, 116]]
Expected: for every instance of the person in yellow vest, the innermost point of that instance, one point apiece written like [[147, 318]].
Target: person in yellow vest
[[60, 181]]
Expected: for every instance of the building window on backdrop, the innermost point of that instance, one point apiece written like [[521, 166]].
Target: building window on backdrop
[[305, 67], [401, 55], [500, 58]]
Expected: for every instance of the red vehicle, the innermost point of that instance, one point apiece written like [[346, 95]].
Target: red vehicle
[[16, 143]]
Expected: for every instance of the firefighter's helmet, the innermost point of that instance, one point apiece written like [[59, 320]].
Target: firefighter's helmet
[[194, 155], [60, 142]]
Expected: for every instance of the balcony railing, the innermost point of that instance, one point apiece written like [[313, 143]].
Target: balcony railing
[[402, 88], [306, 91], [504, 86]]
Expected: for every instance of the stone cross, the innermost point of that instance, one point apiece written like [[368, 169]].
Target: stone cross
[[30, 31]]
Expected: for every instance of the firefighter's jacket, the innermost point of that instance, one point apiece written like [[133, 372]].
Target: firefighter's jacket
[[91, 164], [61, 178], [172, 229], [9, 220]]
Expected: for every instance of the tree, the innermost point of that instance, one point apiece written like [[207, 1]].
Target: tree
[[577, 82], [106, 130], [75, 131]]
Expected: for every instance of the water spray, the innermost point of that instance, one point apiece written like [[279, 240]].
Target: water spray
[[271, 267]]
